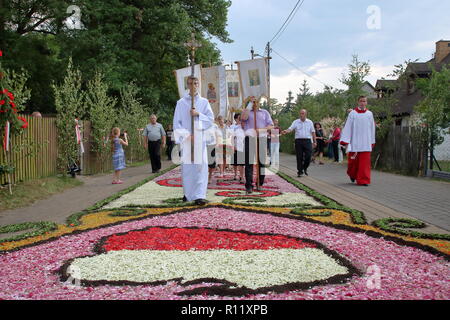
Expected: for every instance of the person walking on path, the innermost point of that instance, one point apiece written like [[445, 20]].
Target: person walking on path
[[224, 134], [304, 133], [275, 144], [118, 155], [238, 138], [154, 133], [263, 123], [359, 137], [320, 138], [194, 173], [169, 142], [212, 138], [335, 142]]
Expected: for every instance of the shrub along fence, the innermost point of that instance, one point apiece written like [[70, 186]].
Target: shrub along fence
[[34, 152]]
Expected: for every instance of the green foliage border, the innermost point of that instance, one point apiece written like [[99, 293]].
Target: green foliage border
[[38, 228]]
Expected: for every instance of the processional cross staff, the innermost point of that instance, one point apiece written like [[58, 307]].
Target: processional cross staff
[[192, 46]]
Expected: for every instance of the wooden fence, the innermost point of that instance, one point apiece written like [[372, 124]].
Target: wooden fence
[[34, 152], [400, 152]]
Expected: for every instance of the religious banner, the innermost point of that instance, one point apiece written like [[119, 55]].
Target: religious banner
[[214, 88], [182, 76], [234, 91], [253, 78]]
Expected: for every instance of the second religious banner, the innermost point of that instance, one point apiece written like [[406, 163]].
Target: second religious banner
[[254, 78], [214, 88], [234, 91]]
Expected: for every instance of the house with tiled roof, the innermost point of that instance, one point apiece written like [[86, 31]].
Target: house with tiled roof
[[408, 96], [405, 92]]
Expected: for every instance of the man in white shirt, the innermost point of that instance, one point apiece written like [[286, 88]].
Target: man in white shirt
[[359, 137], [194, 174], [305, 140]]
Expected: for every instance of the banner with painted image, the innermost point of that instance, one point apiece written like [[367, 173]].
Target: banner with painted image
[[182, 76], [214, 88], [234, 91], [253, 78]]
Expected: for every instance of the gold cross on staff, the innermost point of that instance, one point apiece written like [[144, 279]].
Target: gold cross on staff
[[192, 45]]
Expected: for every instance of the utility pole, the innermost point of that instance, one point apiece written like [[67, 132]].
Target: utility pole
[[268, 52]]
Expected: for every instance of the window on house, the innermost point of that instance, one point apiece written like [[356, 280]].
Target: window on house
[[398, 122]]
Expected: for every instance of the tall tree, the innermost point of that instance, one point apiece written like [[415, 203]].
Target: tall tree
[[303, 93], [140, 40], [355, 79]]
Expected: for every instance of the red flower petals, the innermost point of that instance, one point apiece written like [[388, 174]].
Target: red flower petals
[[200, 239]]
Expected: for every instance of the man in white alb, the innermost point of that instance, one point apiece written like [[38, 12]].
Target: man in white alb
[[305, 141], [194, 174], [359, 137]]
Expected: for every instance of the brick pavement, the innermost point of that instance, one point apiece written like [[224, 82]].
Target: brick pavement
[[389, 195]]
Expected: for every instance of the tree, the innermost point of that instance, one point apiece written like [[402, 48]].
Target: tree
[[139, 41], [304, 92], [289, 105], [434, 109], [355, 79], [69, 103], [102, 114], [132, 118]]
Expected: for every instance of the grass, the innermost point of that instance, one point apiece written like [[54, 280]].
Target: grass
[[26, 193], [445, 165]]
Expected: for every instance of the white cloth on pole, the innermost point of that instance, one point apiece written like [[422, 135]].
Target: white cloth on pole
[[183, 74]]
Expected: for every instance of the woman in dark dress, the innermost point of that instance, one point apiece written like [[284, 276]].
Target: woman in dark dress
[[320, 142]]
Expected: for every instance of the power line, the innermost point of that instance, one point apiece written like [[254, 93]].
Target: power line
[[279, 35], [288, 21], [296, 67]]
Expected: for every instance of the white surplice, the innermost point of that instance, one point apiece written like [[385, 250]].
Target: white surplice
[[359, 131], [194, 174]]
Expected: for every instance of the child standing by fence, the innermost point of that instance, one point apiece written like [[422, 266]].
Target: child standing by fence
[[118, 154]]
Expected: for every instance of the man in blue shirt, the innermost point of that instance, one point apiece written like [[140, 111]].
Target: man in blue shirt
[[154, 133]]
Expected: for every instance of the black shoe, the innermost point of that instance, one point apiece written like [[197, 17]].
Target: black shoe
[[352, 180], [306, 173], [248, 191], [200, 202], [364, 185], [299, 174], [184, 199]]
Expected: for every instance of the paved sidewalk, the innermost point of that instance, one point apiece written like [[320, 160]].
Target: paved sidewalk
[[389, 195], [60, 206]]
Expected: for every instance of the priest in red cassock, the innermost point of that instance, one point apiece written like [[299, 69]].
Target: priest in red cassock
[[359, 137]]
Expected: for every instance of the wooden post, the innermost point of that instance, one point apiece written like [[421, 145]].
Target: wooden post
[[9, 174], [192, 45]]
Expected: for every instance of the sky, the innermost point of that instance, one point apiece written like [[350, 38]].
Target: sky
[[324, 35]]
